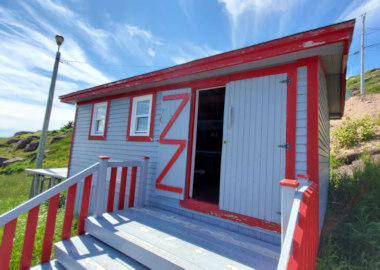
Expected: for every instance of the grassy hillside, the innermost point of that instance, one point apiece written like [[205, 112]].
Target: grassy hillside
[[371, 82]]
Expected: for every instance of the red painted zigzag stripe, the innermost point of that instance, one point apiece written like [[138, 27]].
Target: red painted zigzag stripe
[[182, 143]]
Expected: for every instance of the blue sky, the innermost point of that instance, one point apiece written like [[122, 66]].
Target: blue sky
[[111, 40]]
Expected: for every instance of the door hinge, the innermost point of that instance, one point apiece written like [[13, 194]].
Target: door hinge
[[286, 146], [287, 81]]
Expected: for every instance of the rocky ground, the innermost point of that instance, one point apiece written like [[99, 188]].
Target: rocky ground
[[356, 108]]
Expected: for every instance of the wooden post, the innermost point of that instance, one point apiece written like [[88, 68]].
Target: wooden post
[[100, 188], [289, 188], [143, 182]]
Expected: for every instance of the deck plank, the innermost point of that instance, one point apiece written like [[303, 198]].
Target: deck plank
[[161, 240]]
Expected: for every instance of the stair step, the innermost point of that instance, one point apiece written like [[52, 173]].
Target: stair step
[[162, 240], [86, 252], [51, 265]]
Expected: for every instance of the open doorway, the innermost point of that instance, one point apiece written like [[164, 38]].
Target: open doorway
[[208, 149]]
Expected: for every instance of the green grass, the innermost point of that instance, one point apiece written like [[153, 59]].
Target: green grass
[[371, 83], [351, 233]]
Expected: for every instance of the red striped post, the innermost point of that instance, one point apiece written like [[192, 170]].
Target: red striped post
[[85, 203], [123, 185], [111, 190], [30, 233], [69, 212], [49, 228], [7, 243], [132, 188]]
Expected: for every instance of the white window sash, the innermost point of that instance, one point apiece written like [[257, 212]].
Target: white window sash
[[96, 118], [134, 118]]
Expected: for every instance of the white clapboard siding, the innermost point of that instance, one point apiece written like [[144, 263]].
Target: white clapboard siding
[[301, 123], [324, 147], [176, 176], [85, 152], [252, 162]]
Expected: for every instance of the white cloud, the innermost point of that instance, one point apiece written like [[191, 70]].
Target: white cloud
[[16, 115], [357, 8], [151, 52], [189, 52], [248, 16]]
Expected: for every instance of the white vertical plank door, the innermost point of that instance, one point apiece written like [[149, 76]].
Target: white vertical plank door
[[169, 184], [252, 161]]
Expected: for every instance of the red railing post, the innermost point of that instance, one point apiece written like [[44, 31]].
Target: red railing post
[[49, 228], [7, 243], [111, 190], [85, 203], [123, 186], [132, 188], [29, 237]]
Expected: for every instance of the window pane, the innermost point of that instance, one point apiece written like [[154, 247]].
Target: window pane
[[99, 126], [142, 124], [142, 107], [101, 112]]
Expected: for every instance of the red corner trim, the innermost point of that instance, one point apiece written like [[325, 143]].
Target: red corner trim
[[313, 130], [104, 136], [214, 210], [148, 138], [289, 183], [182, 143], [72, 141]]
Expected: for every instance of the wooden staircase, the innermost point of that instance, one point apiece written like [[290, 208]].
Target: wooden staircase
[[143, 238]]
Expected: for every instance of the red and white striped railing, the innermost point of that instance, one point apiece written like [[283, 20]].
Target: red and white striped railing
[[300, 228], [32, 206]]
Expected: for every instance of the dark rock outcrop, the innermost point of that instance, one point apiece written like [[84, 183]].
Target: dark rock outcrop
[[2, 160], [12, 160], [56, 138], [21, 143], [31, 146], [22, 133], [13, 140]]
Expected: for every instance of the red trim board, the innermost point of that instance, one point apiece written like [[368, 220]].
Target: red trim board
[[298, 42], [148, 138], [104, 136], [182, 143], [213, 210]]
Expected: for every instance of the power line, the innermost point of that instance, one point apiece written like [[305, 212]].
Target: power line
[[65, 61]]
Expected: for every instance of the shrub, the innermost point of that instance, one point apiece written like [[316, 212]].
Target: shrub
[[351, 132]]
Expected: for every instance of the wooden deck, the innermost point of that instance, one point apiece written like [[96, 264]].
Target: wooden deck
[[140, 238]]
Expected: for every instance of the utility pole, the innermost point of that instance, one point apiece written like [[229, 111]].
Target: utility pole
[[362, 58], [41, 145]]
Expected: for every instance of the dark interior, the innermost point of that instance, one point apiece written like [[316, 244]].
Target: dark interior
[[209, 145]]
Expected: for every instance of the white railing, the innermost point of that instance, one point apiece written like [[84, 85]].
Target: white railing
[[298, 225], [32, 206]]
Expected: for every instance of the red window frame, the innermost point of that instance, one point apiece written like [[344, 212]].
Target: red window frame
[[148, 138], [104, 136]]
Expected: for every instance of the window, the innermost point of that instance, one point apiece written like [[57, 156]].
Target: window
[[141, 113], [99, 119]]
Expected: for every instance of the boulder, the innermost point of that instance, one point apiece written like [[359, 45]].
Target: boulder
[[12, 160], [22, 133], [13, 140], [2, 159], [3, 144], [374, 151], [34, 136], [31, 146], [21, 143], [56, 138], [348, 156]]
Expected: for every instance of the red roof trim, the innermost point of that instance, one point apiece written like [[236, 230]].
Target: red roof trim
[[298, 42]]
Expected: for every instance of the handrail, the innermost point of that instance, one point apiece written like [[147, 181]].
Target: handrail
[[299, 246], [291, 226], [46, 195], [32, 206]]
